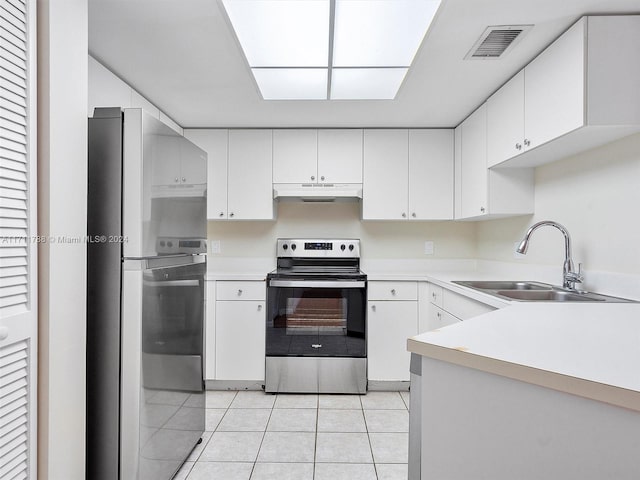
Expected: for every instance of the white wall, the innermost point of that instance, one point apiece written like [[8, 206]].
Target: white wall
[[106, 89], [62, 183], [380, 240], [596, 195]]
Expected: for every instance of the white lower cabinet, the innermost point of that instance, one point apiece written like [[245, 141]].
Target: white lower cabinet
[[239, 331], [390, 323]]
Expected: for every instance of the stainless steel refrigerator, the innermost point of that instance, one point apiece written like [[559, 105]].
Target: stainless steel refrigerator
[[146, 263]]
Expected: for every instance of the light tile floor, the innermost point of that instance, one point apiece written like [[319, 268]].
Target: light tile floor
[[257, 436]]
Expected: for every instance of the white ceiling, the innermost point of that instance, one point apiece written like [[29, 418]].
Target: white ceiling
[[183, 56]]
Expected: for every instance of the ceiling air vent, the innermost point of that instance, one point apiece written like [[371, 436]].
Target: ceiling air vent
[[495, 41]]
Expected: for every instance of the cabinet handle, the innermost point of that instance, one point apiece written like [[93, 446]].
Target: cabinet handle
[[312, 177], [439, 315], [518, 146], [404, 215], [176, 179], [482, 209], [393, 291], [527, 142], [239, 292], [231, 214], [184, 179], [373, 307], [259, 308], [221, 214], [322, 178], [413, 214], [433, 295]]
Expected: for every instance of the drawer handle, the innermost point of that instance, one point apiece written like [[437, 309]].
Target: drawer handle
[[239, 292], [393, 291], [433, 294], [259, 308], [373, 308]]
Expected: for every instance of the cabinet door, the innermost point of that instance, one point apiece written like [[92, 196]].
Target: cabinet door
[[193, 164], [295, 156], [386, 172], [250, 195], [340, 156], [474, 185], [390, 324], [554, 88], [166, 160], [240, 340], [430, 174], [505, 121], [214, 142]]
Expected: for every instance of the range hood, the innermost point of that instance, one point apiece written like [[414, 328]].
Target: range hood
[[318, 192]]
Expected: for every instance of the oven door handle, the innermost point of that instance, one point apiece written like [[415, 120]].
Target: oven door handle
[[316, 284]]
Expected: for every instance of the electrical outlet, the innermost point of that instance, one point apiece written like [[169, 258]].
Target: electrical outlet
[[215, 246], [515, 252], [428, 247]]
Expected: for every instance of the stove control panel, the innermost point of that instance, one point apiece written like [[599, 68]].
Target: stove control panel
[[318, 248]]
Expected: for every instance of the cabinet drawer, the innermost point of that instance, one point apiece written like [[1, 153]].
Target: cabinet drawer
[[393, 291], [461, 306], [439, 318], [435, 294], [240, 290]]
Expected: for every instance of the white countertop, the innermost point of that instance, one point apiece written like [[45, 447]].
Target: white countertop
[[592, 350]]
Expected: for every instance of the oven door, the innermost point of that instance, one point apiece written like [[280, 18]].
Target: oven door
[[316, 318]]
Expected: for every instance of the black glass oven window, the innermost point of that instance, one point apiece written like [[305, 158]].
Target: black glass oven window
[[316, 322]]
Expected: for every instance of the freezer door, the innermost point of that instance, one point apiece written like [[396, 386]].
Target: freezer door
[[164, 185]]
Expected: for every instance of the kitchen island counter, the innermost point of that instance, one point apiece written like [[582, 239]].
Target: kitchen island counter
[[588, 349]]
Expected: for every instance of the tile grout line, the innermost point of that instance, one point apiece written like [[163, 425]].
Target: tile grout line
[[264, 434], [366, 427]]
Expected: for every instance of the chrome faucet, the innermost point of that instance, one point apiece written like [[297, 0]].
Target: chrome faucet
[[569, 277]]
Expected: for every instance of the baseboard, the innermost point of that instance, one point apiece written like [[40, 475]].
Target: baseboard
[[388, 386], [234, 384]]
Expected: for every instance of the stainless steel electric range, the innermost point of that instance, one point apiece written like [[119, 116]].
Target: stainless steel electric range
[[316, 336]]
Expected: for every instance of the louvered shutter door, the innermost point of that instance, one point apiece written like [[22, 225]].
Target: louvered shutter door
[[18, 319]]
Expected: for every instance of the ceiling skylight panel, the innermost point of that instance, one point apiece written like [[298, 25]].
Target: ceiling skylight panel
[[282, 33], [292, 83], [380, 33], [366, 83]]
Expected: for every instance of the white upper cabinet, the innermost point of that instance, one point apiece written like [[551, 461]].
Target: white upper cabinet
[[581, 92], [431, 174], [505, 121], [317, 156], [295, 156], [214, 142], [250, 192], [386, 171], [408, 174], [486, 193], [340, 156]]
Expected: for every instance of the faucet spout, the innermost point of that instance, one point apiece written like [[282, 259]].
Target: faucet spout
[[569, 276]]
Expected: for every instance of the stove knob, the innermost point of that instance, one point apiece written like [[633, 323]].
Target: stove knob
[[162, 244], [351, 247], [285, 246], [169, 244], [293, 246], [342, 247]]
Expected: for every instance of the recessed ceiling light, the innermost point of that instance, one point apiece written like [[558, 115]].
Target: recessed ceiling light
[[292, 83], [306, 40], [366, 83]]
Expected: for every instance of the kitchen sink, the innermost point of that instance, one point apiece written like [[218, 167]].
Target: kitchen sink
[[504, 285], [527, 291]]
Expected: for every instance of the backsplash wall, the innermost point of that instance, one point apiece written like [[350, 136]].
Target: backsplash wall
[[596, 195], [380, 240]]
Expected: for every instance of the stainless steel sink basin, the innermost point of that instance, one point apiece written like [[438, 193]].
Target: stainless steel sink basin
[[549, 296], [504, 285], [526, 291]]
